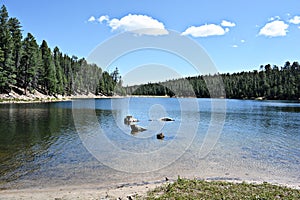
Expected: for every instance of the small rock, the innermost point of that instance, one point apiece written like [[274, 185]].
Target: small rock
[[166, 119], [160, 136], [135, 128], [129, 119]]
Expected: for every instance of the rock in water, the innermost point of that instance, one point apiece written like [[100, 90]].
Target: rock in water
[[160, 136], [129, 119], [166, 119], [136, 128]]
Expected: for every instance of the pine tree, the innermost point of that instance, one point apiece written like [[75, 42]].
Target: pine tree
[[29, 63], [2, 74], [67, 69], [57, 56], [48, 69], [15, 31], [24, 63], [7, 76]]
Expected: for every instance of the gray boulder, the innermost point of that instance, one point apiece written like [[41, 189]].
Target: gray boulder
[[129, 119], [135, 128]]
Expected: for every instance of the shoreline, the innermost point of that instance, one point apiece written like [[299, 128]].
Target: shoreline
[[49, 99], [95, 191], [84, 191], [18, 96]]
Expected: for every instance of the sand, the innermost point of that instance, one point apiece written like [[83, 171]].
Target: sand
[[96, 192], [85, 192]]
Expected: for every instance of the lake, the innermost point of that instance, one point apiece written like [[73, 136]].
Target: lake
[[87, 142]]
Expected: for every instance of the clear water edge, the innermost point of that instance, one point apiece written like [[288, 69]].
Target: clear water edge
[[40, 147]]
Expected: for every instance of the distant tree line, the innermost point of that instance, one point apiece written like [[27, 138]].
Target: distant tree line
[[25, 64], [270, 82]]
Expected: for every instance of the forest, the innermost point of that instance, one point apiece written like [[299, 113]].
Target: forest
[[33, 67], [268, 82]]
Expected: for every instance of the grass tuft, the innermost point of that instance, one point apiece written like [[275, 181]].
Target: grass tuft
[[200, 189]]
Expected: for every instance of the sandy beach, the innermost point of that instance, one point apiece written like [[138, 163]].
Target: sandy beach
[[85, 192], [94, 192]]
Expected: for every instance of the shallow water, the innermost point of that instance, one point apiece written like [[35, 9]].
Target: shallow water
[[87, 142]]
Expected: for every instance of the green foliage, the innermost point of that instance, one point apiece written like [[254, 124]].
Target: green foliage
[[199, 189], [269, 83], [14, 27], [28, 64], [25, 64], [57, 56], [48, 81], [6, 62]]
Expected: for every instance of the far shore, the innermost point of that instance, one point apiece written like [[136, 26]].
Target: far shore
[[40, 98], [23, 99], [45, 99]]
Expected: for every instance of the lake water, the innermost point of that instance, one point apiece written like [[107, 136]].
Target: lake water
[[87, 142]]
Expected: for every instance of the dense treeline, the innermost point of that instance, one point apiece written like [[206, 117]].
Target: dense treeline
[[33, 67], [270, 82]]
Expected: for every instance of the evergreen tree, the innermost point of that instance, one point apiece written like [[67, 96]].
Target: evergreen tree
[[24, 63], [57, 57], [7, 76], [270, 83], [15, 31], [2, 74], [49, 75], [115, 75], [68, 72], [29, 63]]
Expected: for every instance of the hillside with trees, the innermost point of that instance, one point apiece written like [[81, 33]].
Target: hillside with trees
[[33, 67], [269, 82]]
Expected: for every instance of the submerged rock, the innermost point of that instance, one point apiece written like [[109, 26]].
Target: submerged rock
[[160, 136]]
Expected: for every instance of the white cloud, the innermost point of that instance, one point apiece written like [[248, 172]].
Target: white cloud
[[92, 19], [205, 30], [274, 29], [103, 18], [235, 46], [243, 41], [274, 18], [141, 24], [227, 23], [295, 20]]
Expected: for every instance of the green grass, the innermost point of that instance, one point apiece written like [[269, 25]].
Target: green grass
[[199, 189]]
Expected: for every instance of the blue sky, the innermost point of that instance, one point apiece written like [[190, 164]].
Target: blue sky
[[237, 35]]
